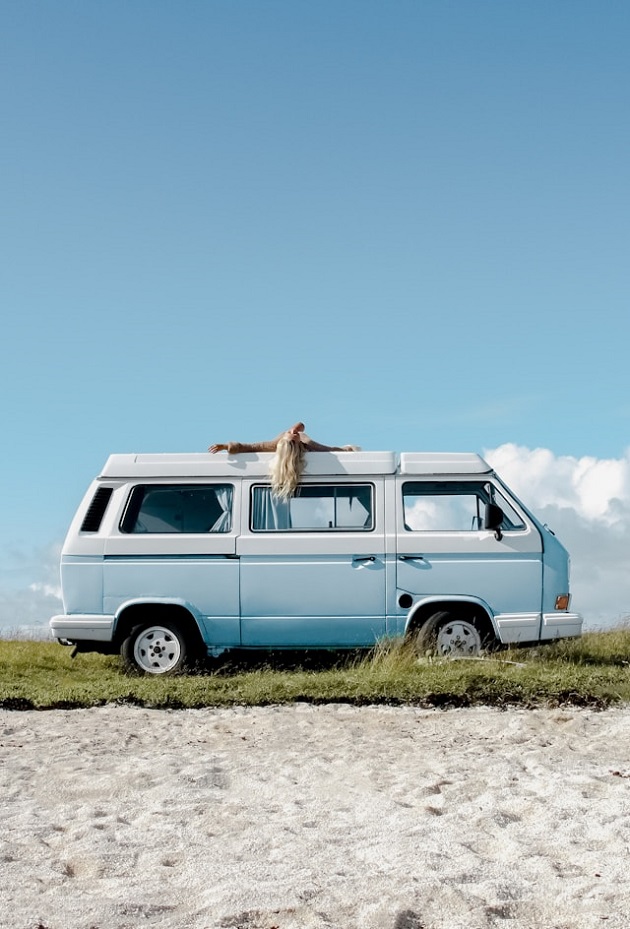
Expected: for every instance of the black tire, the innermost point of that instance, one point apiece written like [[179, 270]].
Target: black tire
[[451, 636], [159, 648]]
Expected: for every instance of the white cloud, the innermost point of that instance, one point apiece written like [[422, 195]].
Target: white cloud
[[586, 501], [596, 489]]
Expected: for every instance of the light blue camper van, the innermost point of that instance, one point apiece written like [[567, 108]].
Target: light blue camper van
[[170, 557]]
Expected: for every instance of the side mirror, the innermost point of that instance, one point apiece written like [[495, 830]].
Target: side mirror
[[493, 518]]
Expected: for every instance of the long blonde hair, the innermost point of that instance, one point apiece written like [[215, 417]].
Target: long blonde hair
[[286, 467]]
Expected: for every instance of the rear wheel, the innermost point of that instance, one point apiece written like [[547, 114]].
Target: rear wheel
[[451, 636], [159, 648]]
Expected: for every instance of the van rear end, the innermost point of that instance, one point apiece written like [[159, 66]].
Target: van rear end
[[81, 569]]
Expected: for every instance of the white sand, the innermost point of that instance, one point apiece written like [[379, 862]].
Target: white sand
[[300, 817]]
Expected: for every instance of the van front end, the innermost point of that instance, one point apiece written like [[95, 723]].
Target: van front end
[[557, 621]]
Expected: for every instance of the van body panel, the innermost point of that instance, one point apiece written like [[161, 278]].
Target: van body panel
[[209, 585], [509, 583], [556, 570], [170, 546], [332, 584], [197, 571], [82, 583], [556, 566], [304, 588], [330, 600], [506, 573]]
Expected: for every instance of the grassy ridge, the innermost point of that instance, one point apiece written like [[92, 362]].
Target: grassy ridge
[[591, 671]]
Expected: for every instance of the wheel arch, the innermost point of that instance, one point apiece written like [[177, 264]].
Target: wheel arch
[[471, 610], [140, 613]]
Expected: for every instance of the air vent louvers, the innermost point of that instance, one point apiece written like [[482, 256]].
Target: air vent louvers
[[96, 510]]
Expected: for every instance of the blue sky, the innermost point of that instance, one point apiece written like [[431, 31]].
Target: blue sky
[[406, 223]]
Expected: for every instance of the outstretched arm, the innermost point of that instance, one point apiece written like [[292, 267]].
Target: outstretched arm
[[236, 448], [312, 446], [295, 433]]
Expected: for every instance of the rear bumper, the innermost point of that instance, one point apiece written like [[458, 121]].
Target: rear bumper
[[83, 627]]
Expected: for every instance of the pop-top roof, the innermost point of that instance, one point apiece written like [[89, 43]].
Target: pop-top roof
[[443, 463], [195, 464]]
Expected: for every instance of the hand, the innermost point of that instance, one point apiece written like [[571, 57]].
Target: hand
[[217, 448], [294, 432]]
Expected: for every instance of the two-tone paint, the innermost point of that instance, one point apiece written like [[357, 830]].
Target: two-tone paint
[[308, 589]]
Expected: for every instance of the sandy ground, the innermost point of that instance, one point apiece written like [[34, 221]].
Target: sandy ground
[[314, 817]]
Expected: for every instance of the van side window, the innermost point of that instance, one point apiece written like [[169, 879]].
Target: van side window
[[314, 507], [189, 508], [453, 506]]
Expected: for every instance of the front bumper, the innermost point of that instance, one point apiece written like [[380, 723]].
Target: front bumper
[[514, 628], [561, 625]]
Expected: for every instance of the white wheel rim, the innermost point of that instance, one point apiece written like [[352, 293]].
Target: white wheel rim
[[458, 639], [157, 650]]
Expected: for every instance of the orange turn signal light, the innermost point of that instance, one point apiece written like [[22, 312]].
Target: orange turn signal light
[[562, 602]]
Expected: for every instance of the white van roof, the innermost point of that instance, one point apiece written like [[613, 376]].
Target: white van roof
[[443, 463], [196, 464]]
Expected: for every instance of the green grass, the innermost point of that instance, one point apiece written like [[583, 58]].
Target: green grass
[[591, 671]]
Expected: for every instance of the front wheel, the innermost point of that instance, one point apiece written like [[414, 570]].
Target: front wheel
[[161, 648], [449, 636]]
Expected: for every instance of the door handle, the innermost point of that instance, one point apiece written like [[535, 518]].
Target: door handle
[[364, 558], [411, 558]]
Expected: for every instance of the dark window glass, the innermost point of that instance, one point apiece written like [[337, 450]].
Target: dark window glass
[[191, 508]]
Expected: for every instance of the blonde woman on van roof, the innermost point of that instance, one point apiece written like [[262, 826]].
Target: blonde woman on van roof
[[287, 465]]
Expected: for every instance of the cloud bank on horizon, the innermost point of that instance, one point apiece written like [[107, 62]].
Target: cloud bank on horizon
[[585, 501]]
